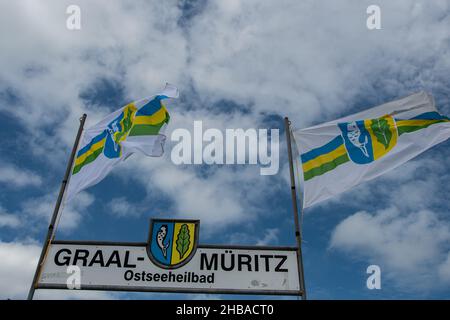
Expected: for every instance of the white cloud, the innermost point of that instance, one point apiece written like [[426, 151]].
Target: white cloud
[[444, 270], [39, 211], [12, 176], [120, 207], [74, 212], [270, 237], [404, 229], [210, 199], [8, 220], [408, 247], [19, 260], [309, 60], [259, 237]]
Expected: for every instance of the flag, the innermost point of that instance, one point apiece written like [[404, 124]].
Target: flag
[[338, 155], [136, 127]]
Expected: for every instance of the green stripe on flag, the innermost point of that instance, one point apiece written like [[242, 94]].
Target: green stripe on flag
[[317, 171], [145, 129], [88, 160], [409, 129], [148, 129]]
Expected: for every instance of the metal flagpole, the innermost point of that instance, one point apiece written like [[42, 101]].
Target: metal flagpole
[[50, 231], [298, 235]]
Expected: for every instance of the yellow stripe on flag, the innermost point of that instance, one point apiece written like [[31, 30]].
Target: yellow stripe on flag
[[156, 118], [417, 123], [320, 160], [94, 148]]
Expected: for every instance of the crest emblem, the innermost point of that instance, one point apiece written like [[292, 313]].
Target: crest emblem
[[172, 243], [117, 131], [369, 140]]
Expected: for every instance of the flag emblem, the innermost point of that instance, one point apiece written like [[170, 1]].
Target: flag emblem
[[369, 140], [117, 131], [172, 242]]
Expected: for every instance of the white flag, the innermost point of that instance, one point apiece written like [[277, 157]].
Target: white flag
[[340, 154], [137, 127]]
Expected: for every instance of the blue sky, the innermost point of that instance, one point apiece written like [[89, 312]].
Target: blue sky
[[237, 64]]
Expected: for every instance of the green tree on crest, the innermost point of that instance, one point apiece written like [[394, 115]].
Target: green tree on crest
[[382, 131], [183, 240]]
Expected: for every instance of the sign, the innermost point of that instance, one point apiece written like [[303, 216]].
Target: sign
[[171, 261]]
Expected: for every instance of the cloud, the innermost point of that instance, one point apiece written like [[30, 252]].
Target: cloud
[[264, 237], [408, 247], [8, 220], [15, 177], [444, 270], [19, 260], [270, 237], [289, 65], [120, 207], [38, 211], [207, 198], [404, 228]]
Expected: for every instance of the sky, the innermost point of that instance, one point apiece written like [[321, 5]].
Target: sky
[[237, 64]]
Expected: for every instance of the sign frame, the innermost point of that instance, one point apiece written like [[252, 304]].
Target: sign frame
[[173, 290]]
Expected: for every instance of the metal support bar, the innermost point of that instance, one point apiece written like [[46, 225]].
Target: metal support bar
[[50, 231], [298, 234]]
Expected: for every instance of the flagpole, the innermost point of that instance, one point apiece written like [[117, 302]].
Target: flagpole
[[50, 231], [298, 235]]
